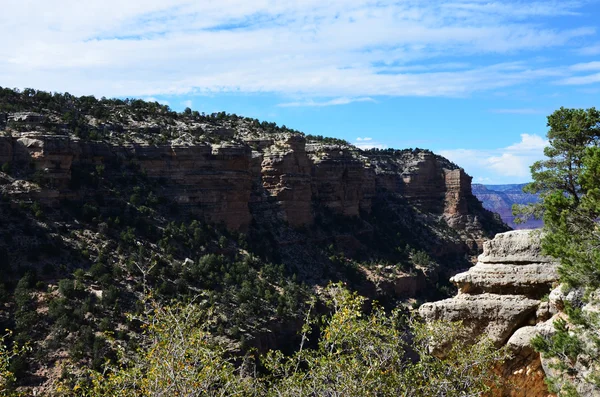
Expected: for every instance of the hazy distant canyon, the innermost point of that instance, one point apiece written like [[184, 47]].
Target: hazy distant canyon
[[500, 199]]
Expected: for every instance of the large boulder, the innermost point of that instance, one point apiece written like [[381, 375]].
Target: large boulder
[[532, 280]]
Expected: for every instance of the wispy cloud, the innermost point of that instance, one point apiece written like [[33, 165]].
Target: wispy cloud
[[586, 67], [153, 99], [502, 165], [331, 102], [581, 80], [519, 111], [589, 50], [340, 49], [368, 143]]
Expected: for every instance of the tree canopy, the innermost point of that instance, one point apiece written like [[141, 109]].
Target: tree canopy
[[568, 183]]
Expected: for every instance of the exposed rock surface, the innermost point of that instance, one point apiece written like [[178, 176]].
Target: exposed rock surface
[[500, 297], [511, 264], [496, 316], [520, 247], [290, 194], [272, 175]]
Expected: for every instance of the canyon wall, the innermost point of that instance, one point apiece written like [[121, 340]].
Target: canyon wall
[[278, 176]]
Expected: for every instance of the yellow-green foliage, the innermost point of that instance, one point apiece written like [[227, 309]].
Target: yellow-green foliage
[[178, 357], [7, 378], [365, 355], [357, 355]]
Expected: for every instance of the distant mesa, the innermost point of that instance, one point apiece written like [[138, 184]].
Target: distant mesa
[[500, 199]]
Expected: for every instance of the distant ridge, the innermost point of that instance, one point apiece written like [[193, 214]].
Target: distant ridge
[[500, 199]]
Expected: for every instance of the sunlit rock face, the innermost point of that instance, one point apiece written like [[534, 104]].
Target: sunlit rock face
[[276, 175], [501, 298]]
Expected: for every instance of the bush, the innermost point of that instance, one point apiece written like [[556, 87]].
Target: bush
[[68, 288], [357, 355]]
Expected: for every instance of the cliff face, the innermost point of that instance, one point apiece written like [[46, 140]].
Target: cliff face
[[322, 207], [212, 181], [500, 298], [282, 178], [112, 196]]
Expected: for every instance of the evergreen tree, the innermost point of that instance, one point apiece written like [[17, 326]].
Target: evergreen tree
[[568, 182]]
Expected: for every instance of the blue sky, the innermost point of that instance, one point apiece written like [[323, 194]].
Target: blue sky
[[472, 80]]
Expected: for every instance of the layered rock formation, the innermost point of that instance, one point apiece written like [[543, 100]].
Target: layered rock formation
[[277, 175], [302, 201], [501, 298], [209, 180]]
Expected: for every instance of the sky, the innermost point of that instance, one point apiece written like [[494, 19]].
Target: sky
[[472, 80]]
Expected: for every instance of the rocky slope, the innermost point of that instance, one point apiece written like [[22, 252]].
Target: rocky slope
[[102, 199], [501, 198], [247, 175], [503, 298]]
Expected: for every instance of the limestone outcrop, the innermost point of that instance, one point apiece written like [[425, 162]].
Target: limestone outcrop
[[511, 264], [246, 177], [501, 298]]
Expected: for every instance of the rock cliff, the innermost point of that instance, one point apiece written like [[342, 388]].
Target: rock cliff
[[303, 201], [239, 181], [102, 199], [501, 297]]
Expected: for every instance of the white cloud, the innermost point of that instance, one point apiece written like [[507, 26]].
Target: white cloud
[[509, 165], [368, 143], [529, 143], [331, 102], [519, 111], [581, 80], [504, 165], [188, 103], [588, 66], [344, 49], [584, 79], [589, 50]]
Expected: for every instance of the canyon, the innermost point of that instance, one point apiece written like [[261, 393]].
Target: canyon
[[105, 200], [501, 198], [250, 178]]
